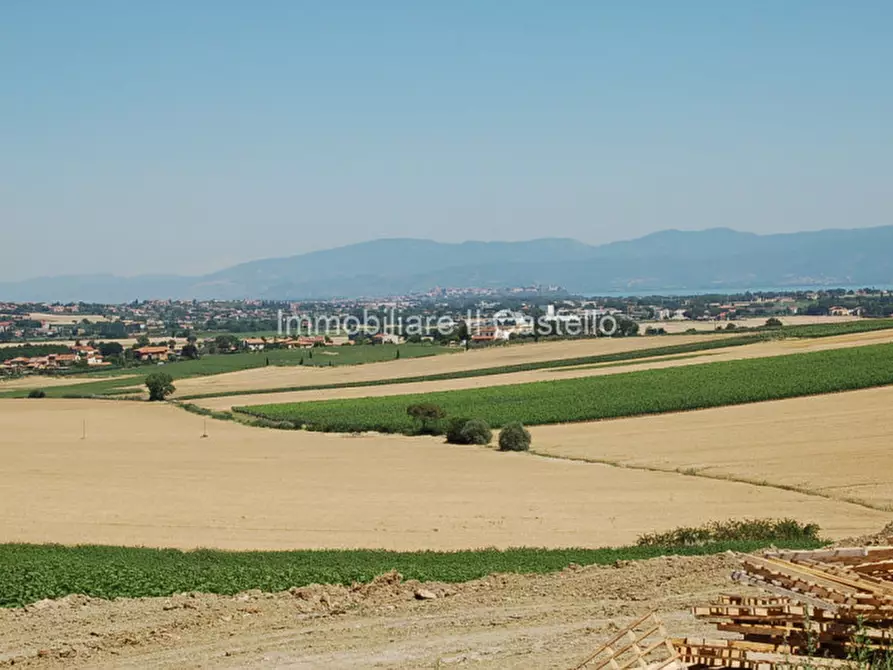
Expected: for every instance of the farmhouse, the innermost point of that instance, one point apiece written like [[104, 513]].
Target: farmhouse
[[386, 338], [254, 343], [152, 353]]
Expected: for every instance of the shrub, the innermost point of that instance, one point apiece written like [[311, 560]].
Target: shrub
[[37, 393], [476, 431], [772, 322], [462, 430], [514, 437], [160, 385], [454, 430]]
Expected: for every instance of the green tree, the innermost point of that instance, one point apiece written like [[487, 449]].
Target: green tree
[[160, 385], [190, 351], [110, 349], [428, 416], [142, 341]]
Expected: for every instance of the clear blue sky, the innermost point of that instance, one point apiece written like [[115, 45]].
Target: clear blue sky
[[186, 135]]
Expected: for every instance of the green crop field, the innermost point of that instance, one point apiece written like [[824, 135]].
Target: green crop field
[[624, 394], [709, 343], [579, 361], [832, 329], [29, 573]]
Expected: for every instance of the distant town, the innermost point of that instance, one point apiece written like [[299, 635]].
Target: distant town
[[91, 336]]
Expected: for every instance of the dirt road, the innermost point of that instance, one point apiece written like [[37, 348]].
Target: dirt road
[[500, 622]]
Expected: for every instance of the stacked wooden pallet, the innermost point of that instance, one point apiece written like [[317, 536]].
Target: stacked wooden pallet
[[823, 606]]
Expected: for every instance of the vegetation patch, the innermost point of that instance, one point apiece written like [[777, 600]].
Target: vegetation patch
[[29, 572], [747, 530], [625, 394]]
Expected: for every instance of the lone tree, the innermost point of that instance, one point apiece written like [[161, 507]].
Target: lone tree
[[160, 385], [427, 415]]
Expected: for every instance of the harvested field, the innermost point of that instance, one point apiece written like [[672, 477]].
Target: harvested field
[[502, 622], [66, 319], [144, 476], [747, 351], [44, 381], [837, 445], [754, 322], [124, 342], [476, 358]]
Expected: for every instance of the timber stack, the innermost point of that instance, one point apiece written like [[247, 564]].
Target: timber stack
[[822, 609]]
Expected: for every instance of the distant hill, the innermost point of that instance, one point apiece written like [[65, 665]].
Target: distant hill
[[672, 260]]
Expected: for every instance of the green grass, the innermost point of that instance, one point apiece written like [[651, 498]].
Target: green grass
[[625, 394], [221, 363], [29, 573]]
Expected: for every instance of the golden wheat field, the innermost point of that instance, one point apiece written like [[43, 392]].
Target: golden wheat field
[[672, 326], [837, 445], [144, 475]]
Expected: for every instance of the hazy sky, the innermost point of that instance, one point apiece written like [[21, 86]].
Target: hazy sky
[[187, 135]]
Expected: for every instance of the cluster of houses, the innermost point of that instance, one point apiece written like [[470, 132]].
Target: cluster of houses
[[50, 362], [303, 342], [506, 324]]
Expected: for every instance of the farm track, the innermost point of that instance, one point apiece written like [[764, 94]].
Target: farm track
[[747, 351]]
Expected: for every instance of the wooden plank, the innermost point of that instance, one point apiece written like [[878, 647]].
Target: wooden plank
[[631, 647], [745, 578]]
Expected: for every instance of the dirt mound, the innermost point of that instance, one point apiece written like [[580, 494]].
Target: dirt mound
[[884, 538]]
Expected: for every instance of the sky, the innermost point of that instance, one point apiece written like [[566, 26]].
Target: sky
[[184, 136]]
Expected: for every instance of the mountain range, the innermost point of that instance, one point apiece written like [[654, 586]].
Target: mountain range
[[717, 259]]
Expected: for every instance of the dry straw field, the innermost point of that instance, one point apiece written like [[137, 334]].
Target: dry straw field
[[144, 476], [835, 445]]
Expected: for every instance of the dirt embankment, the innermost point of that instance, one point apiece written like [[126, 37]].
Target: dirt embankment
[[503, 621]]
